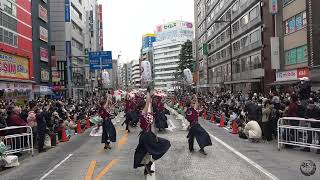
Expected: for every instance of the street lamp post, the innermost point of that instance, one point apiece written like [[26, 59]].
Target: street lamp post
[[230, 41]]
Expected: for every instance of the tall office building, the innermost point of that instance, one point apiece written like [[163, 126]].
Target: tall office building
[[242, 62], [126, 75], [135, 74], [166, 50], [73, 35], [16, 56], [41, 47]]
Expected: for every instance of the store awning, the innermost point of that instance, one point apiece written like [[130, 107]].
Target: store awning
[[283, 82], [243, 81]]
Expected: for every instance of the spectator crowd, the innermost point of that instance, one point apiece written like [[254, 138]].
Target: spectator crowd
[[257, 114]]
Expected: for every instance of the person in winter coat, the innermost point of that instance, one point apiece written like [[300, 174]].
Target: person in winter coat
[[42, 119], [15, 119], [32, 119], [266, 123], [3, 123], [313, 112], [253, 131]]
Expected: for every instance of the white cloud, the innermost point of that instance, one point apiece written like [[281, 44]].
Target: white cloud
[[125, 21]]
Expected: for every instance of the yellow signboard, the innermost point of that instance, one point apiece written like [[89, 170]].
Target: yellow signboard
[[149, 35], [14, 67]]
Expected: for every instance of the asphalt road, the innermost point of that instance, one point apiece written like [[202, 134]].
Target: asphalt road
[[229, 157]]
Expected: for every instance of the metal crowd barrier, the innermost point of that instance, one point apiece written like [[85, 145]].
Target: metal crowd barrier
[[17, 142], [297, 135]]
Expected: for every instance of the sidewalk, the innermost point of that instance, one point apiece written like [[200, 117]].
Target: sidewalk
[[27, 156]]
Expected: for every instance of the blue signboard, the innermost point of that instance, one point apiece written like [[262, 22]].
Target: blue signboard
[[147, 41], [67, 17], [100, 60]]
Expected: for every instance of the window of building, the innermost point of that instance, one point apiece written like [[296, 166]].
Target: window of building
[[243, 2], [222, 36], [254, 37], [236, 66], [253, 13], [245, 64], [221, 4], [76, 28], [77, 44], [304, 18], [76, 12], [9, 38], [295, 23], [256, 61], [236, 46], [235, 27], [235, 7], [286, 2], [244, 20], [244, 42], [10, 8], [8, 22], [299, 24], [302, 54]]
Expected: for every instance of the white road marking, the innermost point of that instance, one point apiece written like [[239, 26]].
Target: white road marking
[[153, 175], [226, 128], [172, 126], [55, 167], [264, 171]]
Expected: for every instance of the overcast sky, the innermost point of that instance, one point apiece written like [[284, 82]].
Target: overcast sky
[[125, 21]]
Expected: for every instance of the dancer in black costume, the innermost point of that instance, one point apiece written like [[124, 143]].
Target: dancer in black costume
[[150, 147], [160, 113], [196, 131], [109, 132]]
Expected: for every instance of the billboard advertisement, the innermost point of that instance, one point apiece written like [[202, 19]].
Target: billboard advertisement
[[147, 41], [14, 67], [174, 25], [43, 13], [44, 54], [43, 34]]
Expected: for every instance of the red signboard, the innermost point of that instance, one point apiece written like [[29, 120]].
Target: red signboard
[[44, 54], [303, 72]]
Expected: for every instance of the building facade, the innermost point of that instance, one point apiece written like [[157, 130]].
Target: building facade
[[242, 62], [166, 50], [16, 56], [313, 37], [41, 47], [291, 30], [126, 75], [73, 35], [135, 74]]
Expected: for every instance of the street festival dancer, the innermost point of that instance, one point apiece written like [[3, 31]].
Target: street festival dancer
[[196, 131], [108, 130], [128, 111], [160, 113], [150, 147]]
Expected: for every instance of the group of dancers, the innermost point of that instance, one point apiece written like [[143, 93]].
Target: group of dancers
[[146, 110]]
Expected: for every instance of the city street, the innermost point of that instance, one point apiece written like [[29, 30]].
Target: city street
[[83, 157]]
